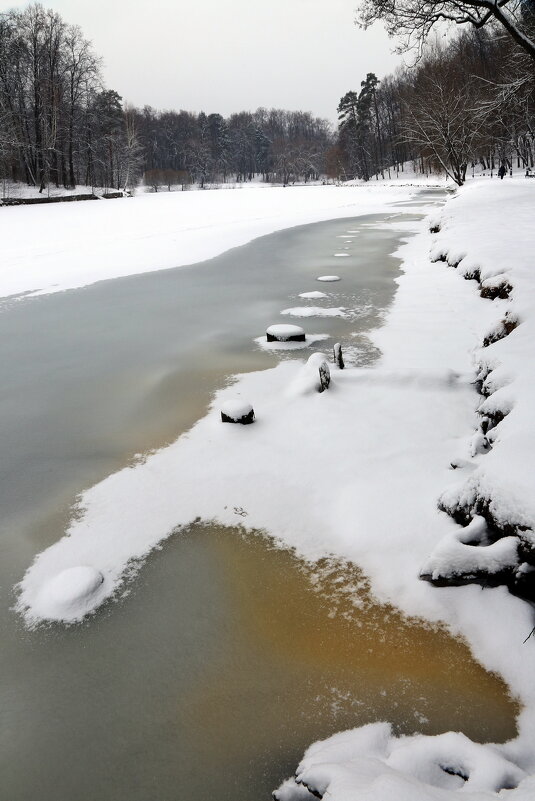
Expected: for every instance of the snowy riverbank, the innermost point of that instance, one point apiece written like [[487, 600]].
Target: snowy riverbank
[[491, 498], [358, 471]]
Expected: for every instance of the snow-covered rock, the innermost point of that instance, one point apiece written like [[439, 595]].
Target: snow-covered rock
[[285, 333], [467, 555], [237, 411], [328, 278], [371, 764]]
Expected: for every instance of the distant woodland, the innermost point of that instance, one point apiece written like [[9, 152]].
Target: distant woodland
[[469, 102]]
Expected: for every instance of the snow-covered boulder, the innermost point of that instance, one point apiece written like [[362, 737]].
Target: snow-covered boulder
[[285, 333], [237, 411], [466, 556], [328, 278], [371, 763]]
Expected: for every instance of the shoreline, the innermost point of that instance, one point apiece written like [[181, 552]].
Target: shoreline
[[492, 490], [103, 241]]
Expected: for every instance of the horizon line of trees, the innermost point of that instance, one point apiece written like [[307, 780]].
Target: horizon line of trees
[[59, 125]]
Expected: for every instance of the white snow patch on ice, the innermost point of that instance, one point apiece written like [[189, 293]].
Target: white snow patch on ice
[[316, 311], [328, 278], [71, 593], [313, 295]]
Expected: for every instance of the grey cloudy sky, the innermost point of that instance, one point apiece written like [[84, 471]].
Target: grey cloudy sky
[[230, 55]]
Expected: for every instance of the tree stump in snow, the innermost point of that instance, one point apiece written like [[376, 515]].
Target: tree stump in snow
[[338, 357], [285, 333], [325, 377], [237, 411], [314, 376]]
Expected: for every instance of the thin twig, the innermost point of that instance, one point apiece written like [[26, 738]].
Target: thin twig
[[529, 635]]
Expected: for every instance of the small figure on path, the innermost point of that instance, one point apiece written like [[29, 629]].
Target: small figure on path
[[502, 171]]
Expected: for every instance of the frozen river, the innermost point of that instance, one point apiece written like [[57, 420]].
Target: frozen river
[[227, 657]]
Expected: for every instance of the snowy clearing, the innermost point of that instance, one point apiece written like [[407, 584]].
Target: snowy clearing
[[76, 244]]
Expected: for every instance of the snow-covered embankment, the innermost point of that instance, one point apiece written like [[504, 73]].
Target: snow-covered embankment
[[492, 499]]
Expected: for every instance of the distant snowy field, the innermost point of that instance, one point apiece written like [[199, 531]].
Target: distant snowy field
[[61, 246]]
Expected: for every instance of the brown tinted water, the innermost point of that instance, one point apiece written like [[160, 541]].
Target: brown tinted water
[[228, 656]]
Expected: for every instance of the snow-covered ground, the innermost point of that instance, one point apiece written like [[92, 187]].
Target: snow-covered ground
[[485, 233], [65, 245], [359, 470]]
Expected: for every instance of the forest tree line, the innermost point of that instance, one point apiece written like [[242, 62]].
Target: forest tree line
[[467, 104], [470, 102], [59, 125]]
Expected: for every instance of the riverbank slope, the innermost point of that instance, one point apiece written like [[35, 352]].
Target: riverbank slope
[[484, 234]]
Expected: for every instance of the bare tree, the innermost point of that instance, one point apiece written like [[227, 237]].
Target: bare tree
[[442, 116], [413, 20]]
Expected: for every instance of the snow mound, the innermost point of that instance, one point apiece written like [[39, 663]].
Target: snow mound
[[328, 278], [341, 255], [313, 295], [371, 764], [315, 311], [69, 594], [314, 376]]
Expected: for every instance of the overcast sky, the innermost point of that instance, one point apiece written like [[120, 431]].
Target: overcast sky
[[230, 55]]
